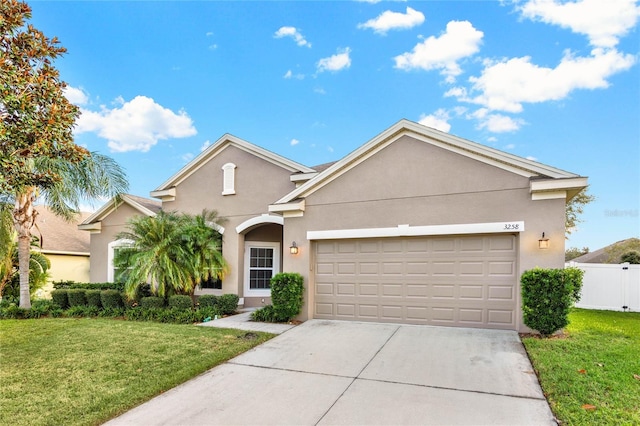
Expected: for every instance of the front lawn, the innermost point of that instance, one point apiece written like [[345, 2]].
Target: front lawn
[[86, 371], [591, 375]]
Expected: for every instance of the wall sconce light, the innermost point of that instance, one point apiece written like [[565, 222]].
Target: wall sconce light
[[294, 248], [543, 243]]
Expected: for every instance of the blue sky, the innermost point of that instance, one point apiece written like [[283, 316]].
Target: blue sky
[[551, 80]]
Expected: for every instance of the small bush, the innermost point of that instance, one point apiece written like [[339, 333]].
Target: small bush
[[111, 312], [111, 299], [93, 298], [152, 302], [39, 308], [547, 297], [286, 295], [208, 300], [180, 301], [264, 314], [228, 304], [76, 297], [12, 311], [60, 299]]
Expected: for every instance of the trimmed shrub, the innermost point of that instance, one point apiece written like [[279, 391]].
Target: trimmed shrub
[[111, 299], [152, 302], [207, 312], [228, 304], [76, 297], [180, 301], [547, 297], [93, 298], [88, 286], [208, 301], [60, 298], [286, 295], [13, 311]]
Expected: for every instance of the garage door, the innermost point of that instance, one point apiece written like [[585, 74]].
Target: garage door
[[465, 281]]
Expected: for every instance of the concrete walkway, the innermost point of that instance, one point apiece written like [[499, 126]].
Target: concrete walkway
[[242, 321], [348, 373]]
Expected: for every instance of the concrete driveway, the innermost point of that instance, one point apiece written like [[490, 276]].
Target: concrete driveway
[[349, 373]]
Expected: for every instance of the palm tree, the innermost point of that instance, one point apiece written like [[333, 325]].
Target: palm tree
[[204, 248], [175, 252], [94, 176]]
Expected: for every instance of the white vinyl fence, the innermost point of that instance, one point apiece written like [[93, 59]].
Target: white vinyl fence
[[610, 287]]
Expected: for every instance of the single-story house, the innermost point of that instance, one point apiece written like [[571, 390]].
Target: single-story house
[[66, 247], [415, 226]]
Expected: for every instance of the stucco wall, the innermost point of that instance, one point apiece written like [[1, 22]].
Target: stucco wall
[[65, 267], [113, 224]]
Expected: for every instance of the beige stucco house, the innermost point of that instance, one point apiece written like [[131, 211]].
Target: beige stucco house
[[415, 226], [66, 247]]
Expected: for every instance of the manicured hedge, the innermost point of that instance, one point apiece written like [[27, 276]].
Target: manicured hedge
[[286, 298], [111, 299], [152, 302], [93, 298], [228, 304], [76, 297], [180, 301], [60, 298]]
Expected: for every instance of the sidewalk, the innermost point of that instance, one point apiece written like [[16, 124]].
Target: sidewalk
[[242, 321]]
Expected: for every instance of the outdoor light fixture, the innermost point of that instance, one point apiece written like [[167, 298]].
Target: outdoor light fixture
[[294, 248], [543, 243]]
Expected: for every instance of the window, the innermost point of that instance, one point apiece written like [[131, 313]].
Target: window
[[262, 261], [116, 274], [228, 179], [212, 283]]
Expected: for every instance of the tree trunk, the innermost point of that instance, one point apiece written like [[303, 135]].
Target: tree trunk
[[24, 216]]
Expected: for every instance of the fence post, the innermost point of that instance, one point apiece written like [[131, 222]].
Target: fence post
[[624, 277]]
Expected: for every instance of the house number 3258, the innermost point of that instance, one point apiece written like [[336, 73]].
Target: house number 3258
[[511, 225]]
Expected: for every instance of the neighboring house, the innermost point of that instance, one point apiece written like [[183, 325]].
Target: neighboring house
[[610, 253], [66, 247], [415, 226]]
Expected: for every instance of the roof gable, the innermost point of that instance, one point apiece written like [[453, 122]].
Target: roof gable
[[512, 163], [221, 144], [59, 235], [145, 206]]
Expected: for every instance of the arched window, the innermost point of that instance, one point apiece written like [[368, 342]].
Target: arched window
[[229, 179]]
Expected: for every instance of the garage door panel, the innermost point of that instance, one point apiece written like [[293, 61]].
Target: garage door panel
[[466, 281]]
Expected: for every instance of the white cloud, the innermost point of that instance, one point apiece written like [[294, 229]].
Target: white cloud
[[603, 22], [510, 146], [438, 120], [136, 125], [389, 20], [294, 33], [496, 123], [187, 157], [319, 91], [76, 96], [294, 142], [205, 145], [289, 74], [337, 62], [529, 157], [507, 84], [459, 41]]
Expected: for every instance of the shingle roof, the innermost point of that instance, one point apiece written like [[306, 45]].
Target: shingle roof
[[60, 235]]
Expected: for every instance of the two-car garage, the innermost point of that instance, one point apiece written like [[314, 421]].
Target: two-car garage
[[466, 281]]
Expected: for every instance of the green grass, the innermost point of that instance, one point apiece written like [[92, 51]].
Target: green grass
[[86, 371], [596, 363]]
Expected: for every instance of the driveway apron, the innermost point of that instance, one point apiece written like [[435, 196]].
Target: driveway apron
[[333, 372]]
